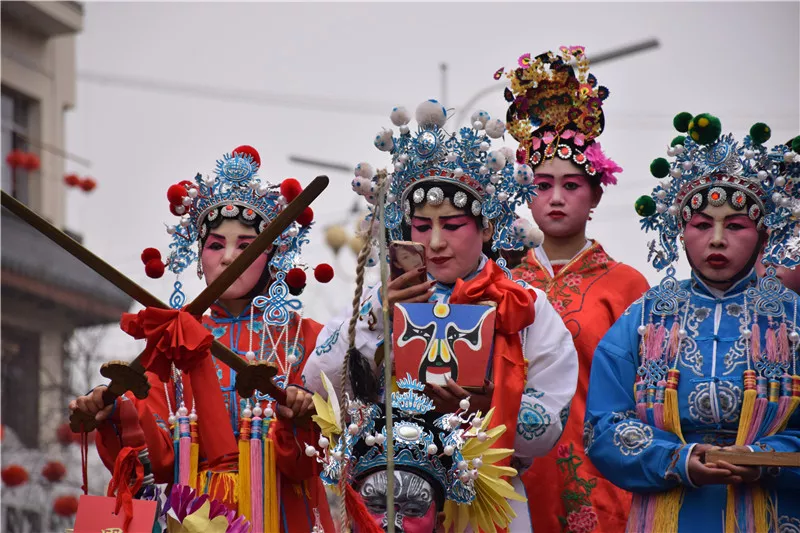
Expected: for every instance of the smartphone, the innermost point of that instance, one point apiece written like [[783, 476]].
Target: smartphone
[[407, 256]]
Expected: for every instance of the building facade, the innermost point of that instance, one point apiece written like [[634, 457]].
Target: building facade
[[46, 293]]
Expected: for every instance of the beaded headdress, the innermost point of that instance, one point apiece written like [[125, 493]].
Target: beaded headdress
[[556, 110], [452, 451], [487, 182], [711, 168], [235, 192]]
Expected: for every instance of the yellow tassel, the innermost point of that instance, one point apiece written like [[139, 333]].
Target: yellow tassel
[[746, 415], [668, 507], [760, 502], [730, 511], [672, 414], [194, 458], [243, 487], [271, 512]]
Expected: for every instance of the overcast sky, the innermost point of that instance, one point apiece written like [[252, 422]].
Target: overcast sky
[[318, 80]]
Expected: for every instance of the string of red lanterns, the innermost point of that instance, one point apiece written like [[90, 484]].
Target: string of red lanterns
[[30, 162]]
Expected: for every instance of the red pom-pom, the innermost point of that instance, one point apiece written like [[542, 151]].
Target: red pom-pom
[[15, 158], [154, 268], [88, 184], [249, 150], [177, 210], [72, 180], [187, 184], [290, 188], [175, 194], [306, 217], [14, 475], [150, 253], [296, 278], [54, 471], [65, 505], [323, 273], [31, 161]]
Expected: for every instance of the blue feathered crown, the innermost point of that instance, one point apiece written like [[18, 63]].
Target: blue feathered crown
[[710, 168], [488, 183], [234, 192]]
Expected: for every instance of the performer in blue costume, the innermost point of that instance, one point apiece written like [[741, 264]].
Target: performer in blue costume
[[710, 361]]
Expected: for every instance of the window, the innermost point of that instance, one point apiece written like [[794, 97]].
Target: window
[[16, 113]]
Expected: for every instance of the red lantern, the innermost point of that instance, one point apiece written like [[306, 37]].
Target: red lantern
[[64, 434], [15, 158], [65, 505], [54, 471], [31, 162], [88, 184], [14, 475], [72, 180]]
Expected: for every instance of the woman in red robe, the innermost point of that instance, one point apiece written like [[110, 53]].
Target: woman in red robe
[[587, 288], [258, 319]]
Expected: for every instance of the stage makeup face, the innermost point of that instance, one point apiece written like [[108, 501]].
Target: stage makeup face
[[720, 242], [415, 509], [452, 240], [564, 198], [222, 247]]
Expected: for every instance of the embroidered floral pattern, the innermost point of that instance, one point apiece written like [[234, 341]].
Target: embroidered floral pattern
[[725, 404], [580, 516], [530, 391], [327, 346], [632, 437], [563, 416], [533, 419], [565, 286], [588, 435], [671, 474]]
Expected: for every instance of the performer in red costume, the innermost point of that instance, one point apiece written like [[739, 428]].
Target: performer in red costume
[[588, 288], [245, 452]]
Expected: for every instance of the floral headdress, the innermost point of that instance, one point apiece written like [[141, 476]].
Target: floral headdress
[[556, 111], [453, 451], [710, 168], [487, 181]]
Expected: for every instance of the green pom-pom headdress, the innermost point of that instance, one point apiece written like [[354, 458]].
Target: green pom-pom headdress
[[709, 168]]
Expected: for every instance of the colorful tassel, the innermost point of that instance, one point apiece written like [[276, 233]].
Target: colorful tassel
[[668, 507], [256, 475], [358, 513], [674, 341], [672, 415], [243, 486], [755, 342], [271, 488], [194, 454], [782, 340], [184, 446]]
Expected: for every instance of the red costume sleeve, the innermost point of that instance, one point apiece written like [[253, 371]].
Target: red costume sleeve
[[290, 439], [115, 433]]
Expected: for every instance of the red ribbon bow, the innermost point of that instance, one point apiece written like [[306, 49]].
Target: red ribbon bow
[[173, 336], [515, 311], [127, 468]]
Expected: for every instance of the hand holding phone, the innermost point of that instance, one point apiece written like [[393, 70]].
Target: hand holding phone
[[407, 256]]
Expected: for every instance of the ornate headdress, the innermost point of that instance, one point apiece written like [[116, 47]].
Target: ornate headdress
[[453, 452], [234, 192], [710, 168], [556, 111], [486, 180]]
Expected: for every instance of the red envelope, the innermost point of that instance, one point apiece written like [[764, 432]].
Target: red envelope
[[96, 515]]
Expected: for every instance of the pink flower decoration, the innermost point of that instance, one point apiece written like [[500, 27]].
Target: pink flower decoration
[[568, 134], [584, 520], [536, 142], [558, 306], [605, 167], [573, 280], [548, 137], [577, 49], [580, 140], [524, 60], [563, 451]]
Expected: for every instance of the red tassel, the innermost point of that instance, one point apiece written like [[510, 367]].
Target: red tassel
[[358, 512]]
